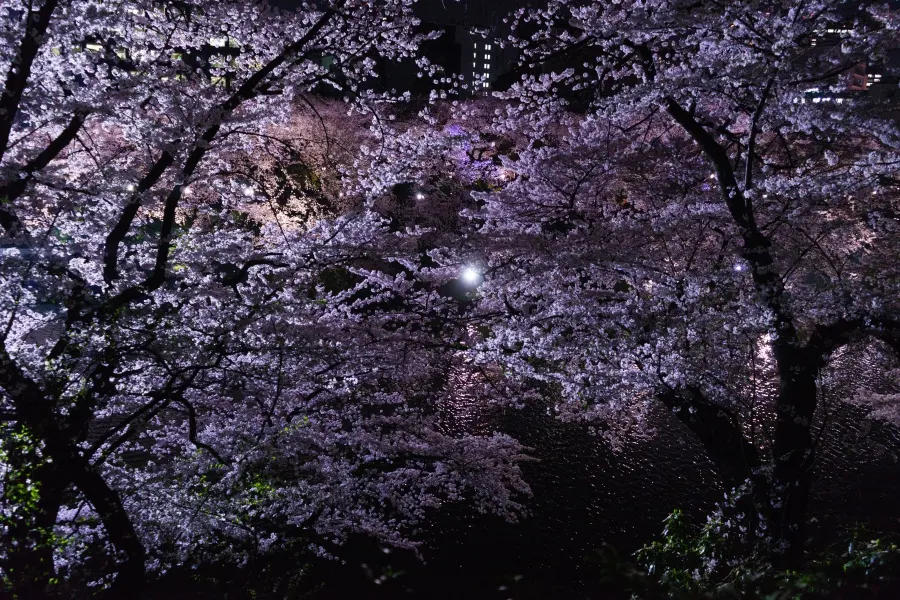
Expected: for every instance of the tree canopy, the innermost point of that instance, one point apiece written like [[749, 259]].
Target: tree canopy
[[188, 372], [235, 278]]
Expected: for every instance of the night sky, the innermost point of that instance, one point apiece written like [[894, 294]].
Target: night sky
[[451, 12], [472, 12]]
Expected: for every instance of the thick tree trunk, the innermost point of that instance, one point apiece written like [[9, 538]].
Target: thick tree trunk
[[793, 455], [30, 560], [35, 412], [119, 528], [108, 505], [781, 503], [737, 461]]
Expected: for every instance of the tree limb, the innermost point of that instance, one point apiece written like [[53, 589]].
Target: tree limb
[[15, 187], [36, 25], [751, 142], [248, 90], [718, 430]]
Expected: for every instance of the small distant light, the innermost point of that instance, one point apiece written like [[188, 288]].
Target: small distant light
[[420, 196], [130, 187], [248, 191], [187, 191], [713, 176], [738, 267], [471, 275]]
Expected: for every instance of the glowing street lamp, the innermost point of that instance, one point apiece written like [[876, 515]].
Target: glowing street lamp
[[471, 276]]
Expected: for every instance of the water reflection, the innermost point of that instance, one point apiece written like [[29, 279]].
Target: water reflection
[[585, 495]]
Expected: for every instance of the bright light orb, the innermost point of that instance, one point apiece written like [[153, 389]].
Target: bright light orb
[[248, 191], [738, 267], [130, 187], [420, 196], [470, 275]]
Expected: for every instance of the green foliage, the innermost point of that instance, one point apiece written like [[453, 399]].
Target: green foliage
[[701, 562], [18, 455], [21, 527], [686, 562], [859, 563], [304, 176]]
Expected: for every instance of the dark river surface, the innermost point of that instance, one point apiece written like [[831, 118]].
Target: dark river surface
[[586, 495]]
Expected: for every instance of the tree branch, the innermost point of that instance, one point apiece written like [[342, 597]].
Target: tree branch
[[36, 25], [768, 283], [714, 151], [118, 526], [118, 232], [192, 428], [248, 90], [14, 188], [825, 339], [751, 142]]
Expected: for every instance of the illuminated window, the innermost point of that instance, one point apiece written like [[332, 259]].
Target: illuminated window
[[486, 46], [487, 57], [486, 66]]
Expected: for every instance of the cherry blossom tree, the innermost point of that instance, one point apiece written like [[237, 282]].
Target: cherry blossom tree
[[188, 371], [706, 212]]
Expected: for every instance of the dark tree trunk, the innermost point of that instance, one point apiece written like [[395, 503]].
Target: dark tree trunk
[[35, 413], [106, 501], [108, 505], [30, 561], [793, 456], [737, 461], [780, 502]]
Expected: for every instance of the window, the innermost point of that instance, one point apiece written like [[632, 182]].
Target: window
[[486, 46], [485, 84], [487, 57], [486, 66]]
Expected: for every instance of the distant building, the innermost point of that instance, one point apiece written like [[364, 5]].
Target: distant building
[[483, 60], [468, 50], [879, 79]]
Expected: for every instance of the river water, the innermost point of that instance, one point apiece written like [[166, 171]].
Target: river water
[[587, 496]]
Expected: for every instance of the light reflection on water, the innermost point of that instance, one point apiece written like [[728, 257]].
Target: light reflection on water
[[466, 410], [586, 495]]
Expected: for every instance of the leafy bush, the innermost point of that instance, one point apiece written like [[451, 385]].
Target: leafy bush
[[704, 562]]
